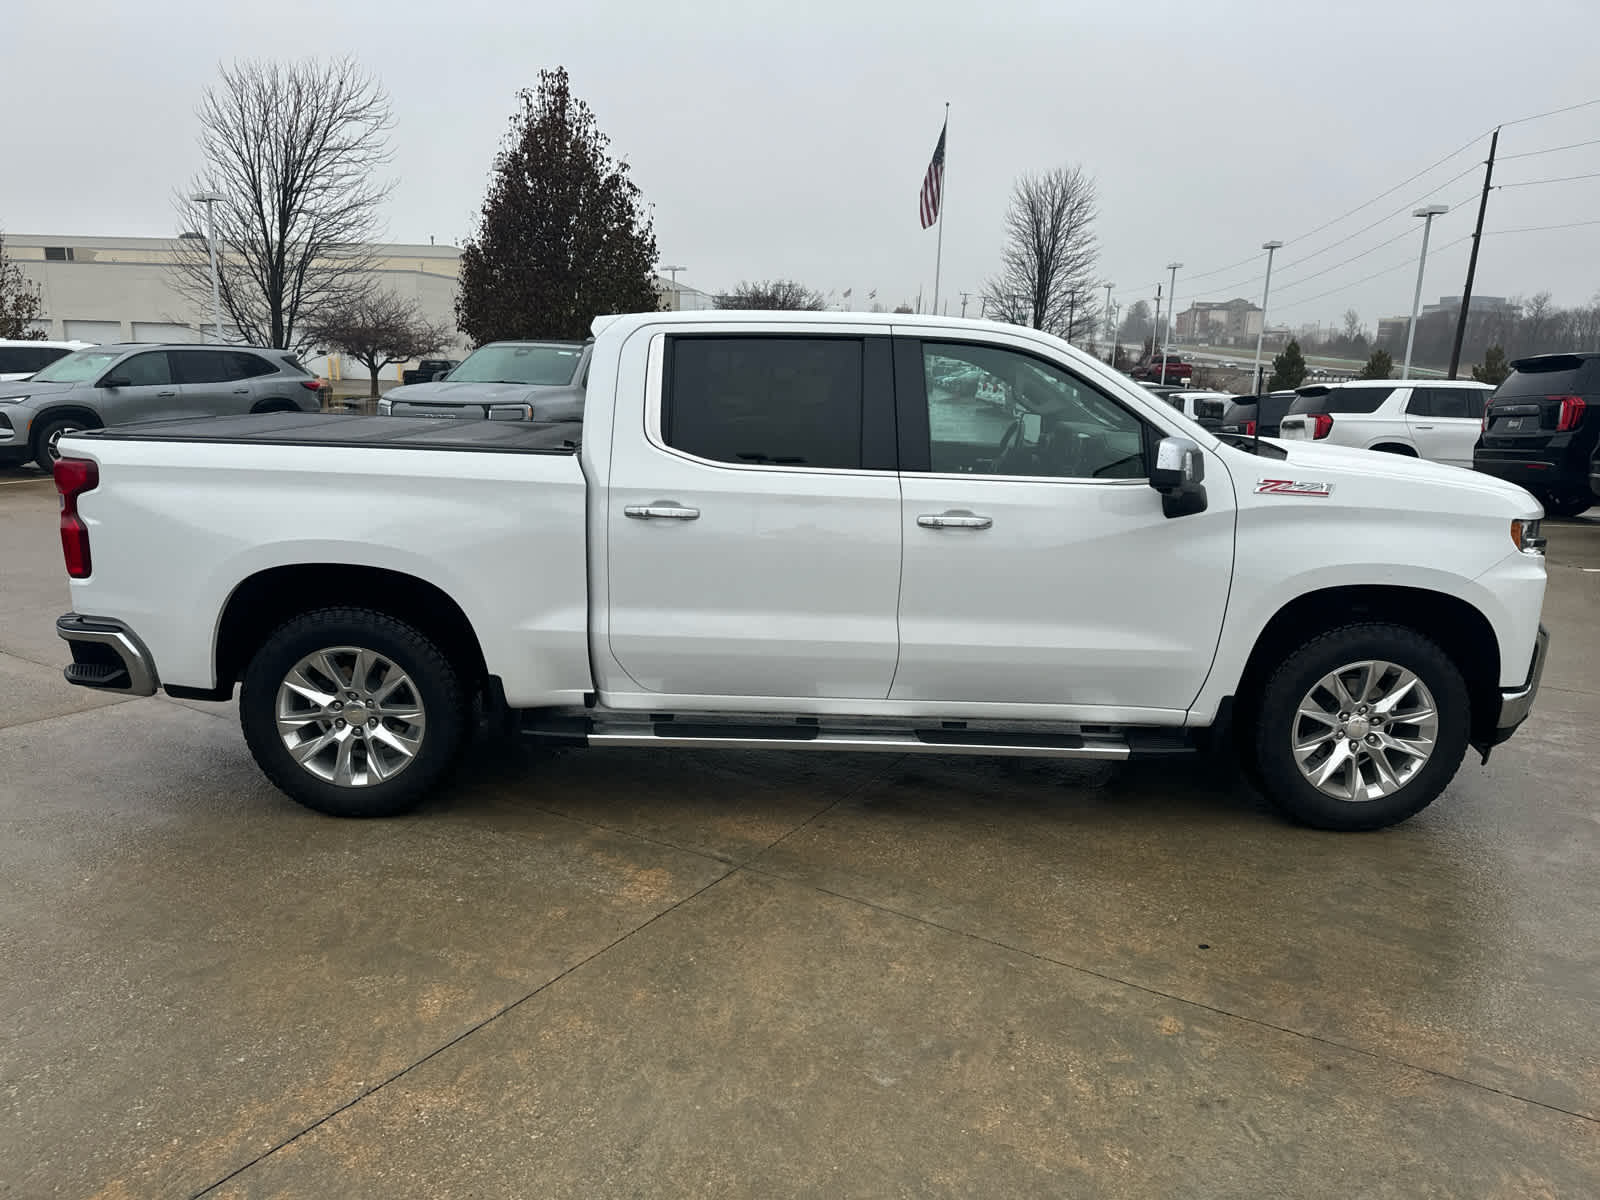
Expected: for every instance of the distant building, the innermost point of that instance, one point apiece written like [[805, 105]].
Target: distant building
[[1392, 330], [680, 297], [1220, 322]]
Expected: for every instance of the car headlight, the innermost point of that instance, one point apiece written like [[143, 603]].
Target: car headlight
[[386, 408], [12, 399], [1525, 536]]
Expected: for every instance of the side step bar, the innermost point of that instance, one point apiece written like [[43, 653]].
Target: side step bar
[[885, 737]]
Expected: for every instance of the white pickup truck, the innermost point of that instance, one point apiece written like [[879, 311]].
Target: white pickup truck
[[809, 531]]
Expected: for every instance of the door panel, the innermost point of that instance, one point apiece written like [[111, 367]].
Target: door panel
[[757, 577], [214, 383], [1046, 575], [151, 394], [1443, 425]]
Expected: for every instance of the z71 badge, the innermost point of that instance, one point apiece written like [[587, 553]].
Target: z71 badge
[[1292, 487]]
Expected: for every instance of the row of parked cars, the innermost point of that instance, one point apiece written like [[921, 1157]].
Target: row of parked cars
[[1540, 428]]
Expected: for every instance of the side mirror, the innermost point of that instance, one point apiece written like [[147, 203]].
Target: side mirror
[[1178, 474], [115, 381]]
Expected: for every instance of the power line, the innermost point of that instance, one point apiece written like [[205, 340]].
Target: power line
[[1538, 228], [1552, 113], [1345, 287], [1558, 179], [1398, 186], [1550, 149]]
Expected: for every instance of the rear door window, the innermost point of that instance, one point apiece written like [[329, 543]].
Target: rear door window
[[204, 366], [1450, 402], [244, 365], [1421, 403], [764, 401]]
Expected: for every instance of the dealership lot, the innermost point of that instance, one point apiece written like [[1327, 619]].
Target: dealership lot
[[626, 972]]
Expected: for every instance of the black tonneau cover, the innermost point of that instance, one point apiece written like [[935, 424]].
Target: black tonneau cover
[[332, 429]]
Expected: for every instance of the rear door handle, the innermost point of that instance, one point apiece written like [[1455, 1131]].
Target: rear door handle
[[955, 519], [1422, 426], [164, 394], [662, 511], [241, 391]]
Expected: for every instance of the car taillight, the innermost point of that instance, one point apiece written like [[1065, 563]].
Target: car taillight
[[1571, 412], [74, 477], [315, 385], [1324, 425], [1249, 429]]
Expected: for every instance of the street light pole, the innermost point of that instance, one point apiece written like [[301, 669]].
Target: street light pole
[[1166, 330], [1266, 290], [209, 199], [1427, 213], [1111, 331]]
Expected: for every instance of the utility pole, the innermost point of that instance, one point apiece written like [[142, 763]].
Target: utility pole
[[1072, 308], [964, 296], [1111, 328], [1472, 259], [1166, 330], [1156, 323]]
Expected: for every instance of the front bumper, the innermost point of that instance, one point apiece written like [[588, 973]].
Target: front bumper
[[107, 656], [1516, 703]]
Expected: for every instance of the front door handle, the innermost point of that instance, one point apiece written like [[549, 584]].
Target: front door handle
[[1422, 426], [954, 519], [165, 394], [661, 511], [241, 391]]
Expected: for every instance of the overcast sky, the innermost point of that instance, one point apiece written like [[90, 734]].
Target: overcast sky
[[790, 139]]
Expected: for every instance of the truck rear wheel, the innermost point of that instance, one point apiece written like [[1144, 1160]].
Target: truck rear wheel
[[1361, 728], [352, 712]]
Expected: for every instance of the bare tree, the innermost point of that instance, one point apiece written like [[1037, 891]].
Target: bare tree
[[378, 329], [772, 294], [1047, 275], [1352, 324], [20, 305], [293, 149]]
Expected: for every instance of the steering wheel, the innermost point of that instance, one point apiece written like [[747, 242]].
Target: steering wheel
[[1013, 455]]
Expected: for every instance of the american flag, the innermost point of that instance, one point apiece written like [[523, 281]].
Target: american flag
[[933, 182]]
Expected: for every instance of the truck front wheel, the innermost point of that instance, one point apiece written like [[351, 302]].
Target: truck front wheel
[[352, 712], [1361, 727]]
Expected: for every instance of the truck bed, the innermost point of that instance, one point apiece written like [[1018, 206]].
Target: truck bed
[[391, 433]]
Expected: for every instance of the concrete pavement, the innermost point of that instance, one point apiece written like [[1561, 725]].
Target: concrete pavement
[[640, 973]]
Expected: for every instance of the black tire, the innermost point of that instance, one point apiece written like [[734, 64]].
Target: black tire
[[1295, 795], [1569, 505], [437, 686], [45, 435]]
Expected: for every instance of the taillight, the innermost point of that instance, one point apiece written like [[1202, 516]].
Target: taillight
[[1483, 426], [1324, 426], [1571, 412], [74, 477], [1249, 429], [314, 385]]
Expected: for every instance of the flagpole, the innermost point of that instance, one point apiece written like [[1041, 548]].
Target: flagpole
[[938, 254]]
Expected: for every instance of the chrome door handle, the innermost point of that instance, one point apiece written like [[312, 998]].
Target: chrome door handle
[[954, 520], [661, 512]]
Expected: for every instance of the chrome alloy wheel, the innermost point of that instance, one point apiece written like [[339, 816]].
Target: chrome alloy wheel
[[53, 443], [1364, 731], [350, 716]]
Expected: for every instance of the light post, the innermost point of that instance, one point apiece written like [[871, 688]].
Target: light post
[[1166, 330], [1266, 290], [208, 199], [1428, 213], [1111, 330]]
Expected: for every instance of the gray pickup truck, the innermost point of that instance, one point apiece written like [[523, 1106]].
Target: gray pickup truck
[[502, 381], [120, 384]]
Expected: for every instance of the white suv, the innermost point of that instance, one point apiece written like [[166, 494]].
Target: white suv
[[1437, 419]]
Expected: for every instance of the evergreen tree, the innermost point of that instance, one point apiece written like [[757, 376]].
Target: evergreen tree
[[19, 301], [1378, 366], [1494, 369], [564, 235], [1288, 369]]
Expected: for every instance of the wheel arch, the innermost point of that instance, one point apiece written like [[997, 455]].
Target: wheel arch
[[265, 600], [1391, 445], [82, 412], [1465, 635]]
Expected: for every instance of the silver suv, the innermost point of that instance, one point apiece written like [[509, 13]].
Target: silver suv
[[117, 385]]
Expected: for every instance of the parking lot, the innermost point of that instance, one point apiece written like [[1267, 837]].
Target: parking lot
[[727, 974]]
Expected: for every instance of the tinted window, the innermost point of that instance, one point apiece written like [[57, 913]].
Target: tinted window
[[144, 370], [1421, 403], [1558, 375], [782, 401], [1239, 412], [18, 359], [1013, 414], [248, 366], [204, 366], [293, 364]]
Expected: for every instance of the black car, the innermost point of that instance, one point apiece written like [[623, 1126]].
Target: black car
[[1247, 413], [429, 369], [1541, 429]]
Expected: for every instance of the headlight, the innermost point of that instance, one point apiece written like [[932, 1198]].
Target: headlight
[[386, 408], [12, 399], [1525, 536]]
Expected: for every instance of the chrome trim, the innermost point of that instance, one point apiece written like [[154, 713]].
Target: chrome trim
[[1517, 703], [884, 743], [661, 512], [954, 520], [142, 678]]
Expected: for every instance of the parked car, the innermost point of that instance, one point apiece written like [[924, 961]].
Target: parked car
[[429, 369], [18, 360], [769, 532], [113, 385], [502, 381], [1205, 408], [1438, 419], [1177, 370], [1250, 416], [1541, 430]]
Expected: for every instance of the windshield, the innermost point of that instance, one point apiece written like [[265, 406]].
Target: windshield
[[75, 368], [540, 364]]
